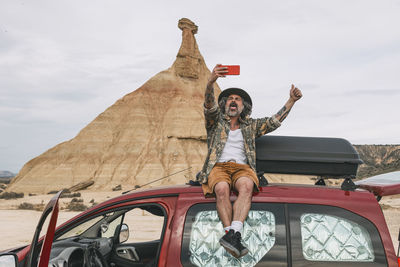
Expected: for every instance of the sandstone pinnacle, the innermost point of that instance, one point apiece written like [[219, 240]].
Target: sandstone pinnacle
[[189, 60]]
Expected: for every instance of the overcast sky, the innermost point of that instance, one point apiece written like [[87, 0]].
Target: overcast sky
[[64, 62]]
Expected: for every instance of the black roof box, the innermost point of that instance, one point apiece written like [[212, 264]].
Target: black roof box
[[325, 157]]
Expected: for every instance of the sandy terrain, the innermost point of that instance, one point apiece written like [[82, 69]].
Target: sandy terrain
[[17, 226], [391, 210]]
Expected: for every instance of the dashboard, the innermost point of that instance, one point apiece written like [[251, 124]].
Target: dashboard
[[77, 251]]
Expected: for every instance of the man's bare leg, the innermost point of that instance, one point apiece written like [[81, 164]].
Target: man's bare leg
[[244, 185], [224, 205], [232, 240]]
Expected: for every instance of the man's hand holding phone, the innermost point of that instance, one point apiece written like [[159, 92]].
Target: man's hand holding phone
[[223, 70], [232, 69]]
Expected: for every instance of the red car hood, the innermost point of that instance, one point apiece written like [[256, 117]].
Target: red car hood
[[382, 185]]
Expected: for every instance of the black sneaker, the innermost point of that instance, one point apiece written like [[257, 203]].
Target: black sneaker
[[243, 250], [231, 241]]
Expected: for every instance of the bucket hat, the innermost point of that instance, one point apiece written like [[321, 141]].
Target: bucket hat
[[235, 91]]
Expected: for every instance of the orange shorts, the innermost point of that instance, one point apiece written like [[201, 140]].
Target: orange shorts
[[228, 172]]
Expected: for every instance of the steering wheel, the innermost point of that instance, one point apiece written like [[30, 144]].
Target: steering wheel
[[93, 258]]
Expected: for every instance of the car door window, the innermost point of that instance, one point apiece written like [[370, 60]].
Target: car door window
[[143, 225], [331, 238], [146, 226], [263, 234], [101, 235], [328, 236]]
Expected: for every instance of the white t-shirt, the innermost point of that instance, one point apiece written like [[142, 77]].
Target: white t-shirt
[[234, 148]]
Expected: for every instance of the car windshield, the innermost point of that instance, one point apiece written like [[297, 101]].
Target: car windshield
[[81, 228]]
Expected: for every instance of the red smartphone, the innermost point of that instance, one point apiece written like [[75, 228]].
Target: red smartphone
[[232, 69]]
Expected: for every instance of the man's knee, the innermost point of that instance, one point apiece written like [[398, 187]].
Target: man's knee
[[244, 185], [222, 190]]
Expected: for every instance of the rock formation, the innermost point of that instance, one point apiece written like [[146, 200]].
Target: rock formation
[[378, 159], [6, 174], [152, 132]]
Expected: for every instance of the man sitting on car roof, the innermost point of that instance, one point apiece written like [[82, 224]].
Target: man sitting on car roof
[[231, 158]]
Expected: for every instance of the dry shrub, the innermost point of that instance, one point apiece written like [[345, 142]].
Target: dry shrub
[[25, 206], [76, 206], [117, 188], [70, 195], [94, 203], [30, 206], [11, 195]]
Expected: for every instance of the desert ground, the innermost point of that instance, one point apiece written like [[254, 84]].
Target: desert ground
[[17, 226]]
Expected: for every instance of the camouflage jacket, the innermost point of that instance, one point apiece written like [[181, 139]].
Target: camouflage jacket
[[218, 126]]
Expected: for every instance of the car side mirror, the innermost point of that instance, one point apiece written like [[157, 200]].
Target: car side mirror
[[104, 227], [9, 259], [124, 233]]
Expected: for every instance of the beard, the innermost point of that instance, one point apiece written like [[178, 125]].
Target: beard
[[233, 113]]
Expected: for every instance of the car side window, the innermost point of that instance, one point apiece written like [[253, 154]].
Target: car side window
[[331, 238], [258, 232], [143, 225], [324, 235], [263, 234], [146, 224]]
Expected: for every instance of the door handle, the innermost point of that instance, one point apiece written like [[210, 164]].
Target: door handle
[[128, 253]]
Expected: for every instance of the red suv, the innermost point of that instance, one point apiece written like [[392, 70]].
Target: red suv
[[288, 225]]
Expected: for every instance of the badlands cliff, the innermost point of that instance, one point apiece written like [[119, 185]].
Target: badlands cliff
[[152, 132], [378, 159]]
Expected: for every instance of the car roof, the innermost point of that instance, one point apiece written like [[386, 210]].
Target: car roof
[[360, 201], [301, 191]]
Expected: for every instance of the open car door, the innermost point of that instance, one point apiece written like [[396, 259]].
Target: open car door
[[382, 185], [44, 254]]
